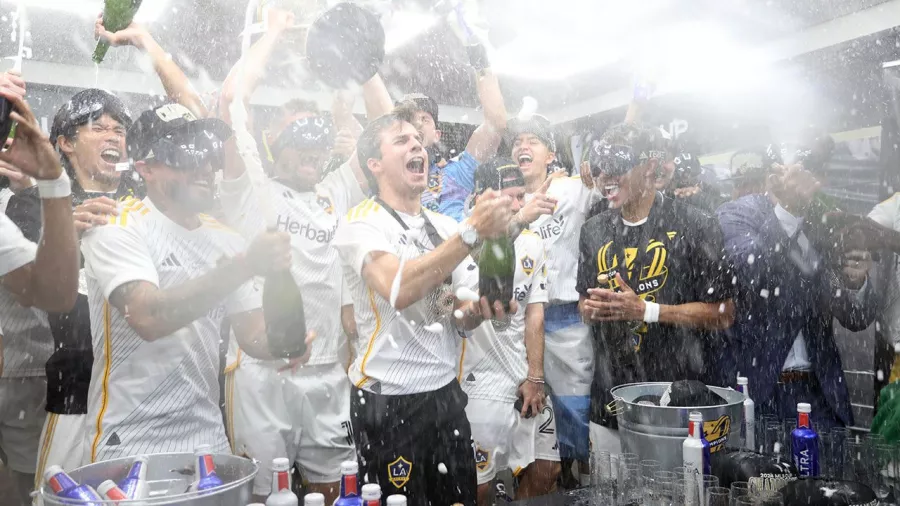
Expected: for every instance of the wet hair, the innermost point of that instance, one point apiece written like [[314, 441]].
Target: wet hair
[[369, 143]]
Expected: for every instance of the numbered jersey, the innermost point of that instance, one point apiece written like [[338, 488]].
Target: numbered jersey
[[494, 362], [311, 219], [162, 395], [560, 232]]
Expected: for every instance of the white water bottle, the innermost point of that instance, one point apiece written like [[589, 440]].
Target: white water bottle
[[371, 494], [281, 484], [396, 500], [692, 460], [749, 415]]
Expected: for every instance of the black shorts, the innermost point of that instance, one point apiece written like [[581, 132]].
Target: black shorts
[[417, 445]]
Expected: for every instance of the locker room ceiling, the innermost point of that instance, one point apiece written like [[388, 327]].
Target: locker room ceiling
[[560, 52]]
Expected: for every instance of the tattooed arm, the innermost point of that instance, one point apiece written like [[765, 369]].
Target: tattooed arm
[[154, 313]]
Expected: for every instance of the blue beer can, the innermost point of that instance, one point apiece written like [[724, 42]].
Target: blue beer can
[[805, 444]]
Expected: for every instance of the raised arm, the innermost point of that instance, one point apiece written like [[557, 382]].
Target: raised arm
[[50, 282], [486, 138], [176, 84]]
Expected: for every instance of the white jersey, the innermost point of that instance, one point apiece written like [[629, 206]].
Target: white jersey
[[311, 218], [495, 362], [560, 232], [887, 213], [409, 351], [160, 396], [27, 342]]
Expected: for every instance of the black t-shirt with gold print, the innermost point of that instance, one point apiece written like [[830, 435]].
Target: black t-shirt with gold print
[[675, 257]]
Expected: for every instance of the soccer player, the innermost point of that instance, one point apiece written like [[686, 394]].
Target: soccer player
[[651, 277], [304, 416], [569, 357], [403, 265], [161, 277], [504, 363], [42, 276]]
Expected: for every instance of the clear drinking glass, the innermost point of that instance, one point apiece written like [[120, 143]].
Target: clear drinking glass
[[718, 496], [664, 488], [648, 468], [630, 485], [773, 439], [602, 477], [743, 501], [739, 489], [880, 465], [855, 461], [771, 499]]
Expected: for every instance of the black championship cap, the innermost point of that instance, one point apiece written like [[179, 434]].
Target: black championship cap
[[312, 133], [169, 120], [754, 163], [423, 103], [537, 125], [85, 106], [690, 394], [496, 174]]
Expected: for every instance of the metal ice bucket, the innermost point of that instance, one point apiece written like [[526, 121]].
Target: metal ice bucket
[[169, 476], [657, 432]]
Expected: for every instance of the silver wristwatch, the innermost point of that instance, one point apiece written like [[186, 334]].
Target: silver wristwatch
[[468, 234]]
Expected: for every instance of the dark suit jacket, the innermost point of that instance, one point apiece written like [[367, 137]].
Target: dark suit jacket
[[779, 295]]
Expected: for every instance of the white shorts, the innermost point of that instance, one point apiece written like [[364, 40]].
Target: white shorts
[[304, 416], [505, 440], [569, 360], [64, 442], [22, 414]]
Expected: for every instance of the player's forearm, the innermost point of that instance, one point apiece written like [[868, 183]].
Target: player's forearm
[[420, 276], [246, 74], [54, 282], [176, 84], [534, 340], [342, 112], [376, 97], [156, 313], [488, 88], [700, 315], [633, 114]]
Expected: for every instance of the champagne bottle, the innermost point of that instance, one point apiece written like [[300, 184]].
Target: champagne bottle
[[7, 125], [497, 270], [283, 311], [117, 15]]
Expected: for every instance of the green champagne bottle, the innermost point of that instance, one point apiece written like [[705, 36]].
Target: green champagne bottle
[[497, 270], [283, 312], [117, 15]]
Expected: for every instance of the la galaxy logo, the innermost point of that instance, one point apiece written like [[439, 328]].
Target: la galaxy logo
[[325, 202], [399, 472], [482, 459], [527, 265]]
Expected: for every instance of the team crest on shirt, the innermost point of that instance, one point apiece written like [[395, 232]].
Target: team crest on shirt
[[399, 472], [482, 459], [325, 202], [527, 265]]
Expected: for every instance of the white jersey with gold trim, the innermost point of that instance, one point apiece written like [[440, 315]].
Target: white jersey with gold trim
[[311, 219], [409, 351], [160, 396], [560, 232], [494, 362]]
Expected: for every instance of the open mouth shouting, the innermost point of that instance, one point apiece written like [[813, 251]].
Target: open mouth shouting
[[416, 165], [524, 159], [609, 190], [111, 156]]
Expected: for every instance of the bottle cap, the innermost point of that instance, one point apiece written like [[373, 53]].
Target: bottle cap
[[202, 449], [804, 407], [349, 467], [314, 499], [371, 491], [52, 471], [742, 380], [396, 500], [281, 464], [696, 416], [106, 486]]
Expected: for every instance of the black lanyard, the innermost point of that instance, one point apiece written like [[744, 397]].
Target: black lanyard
[[433, 236]]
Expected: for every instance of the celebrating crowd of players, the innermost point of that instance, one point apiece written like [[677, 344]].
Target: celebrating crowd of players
[[132, 248]]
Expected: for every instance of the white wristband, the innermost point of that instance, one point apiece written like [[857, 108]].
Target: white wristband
[[651, 312], [55, 188]]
